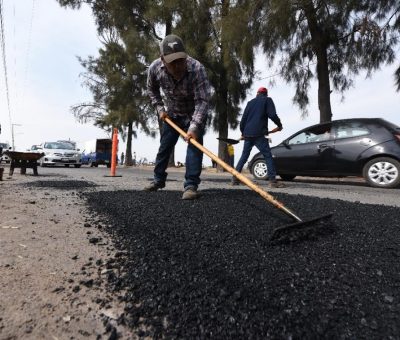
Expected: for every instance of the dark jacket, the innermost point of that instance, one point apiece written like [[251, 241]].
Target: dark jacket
[[254, 121]]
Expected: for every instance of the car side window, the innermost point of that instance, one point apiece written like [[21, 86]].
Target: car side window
[[351, 129], [317, 133]]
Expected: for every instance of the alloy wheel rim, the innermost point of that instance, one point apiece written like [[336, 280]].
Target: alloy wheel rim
[[260, 170], [383, 173]]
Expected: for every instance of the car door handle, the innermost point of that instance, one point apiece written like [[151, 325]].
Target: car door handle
[[322, 146]]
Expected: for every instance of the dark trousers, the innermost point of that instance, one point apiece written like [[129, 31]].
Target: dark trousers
[[194, 157], [261, 143]]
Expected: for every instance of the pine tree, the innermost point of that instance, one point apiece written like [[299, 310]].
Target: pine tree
[[117, 78], [339, 37], [219, 36]]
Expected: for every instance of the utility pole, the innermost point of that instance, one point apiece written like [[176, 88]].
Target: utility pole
[[12, 135]]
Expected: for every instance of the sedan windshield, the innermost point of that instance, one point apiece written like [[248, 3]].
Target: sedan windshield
[[58, 145]]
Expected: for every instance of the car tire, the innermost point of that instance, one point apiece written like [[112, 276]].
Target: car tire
[[91, 164], [77, 165], [259, 169], [287, 177], [66, 165], [382, 172]]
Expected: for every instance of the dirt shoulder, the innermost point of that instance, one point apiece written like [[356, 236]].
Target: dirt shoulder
[[53, 266]]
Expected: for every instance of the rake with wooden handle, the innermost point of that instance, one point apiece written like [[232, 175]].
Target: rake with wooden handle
[[299, 223]]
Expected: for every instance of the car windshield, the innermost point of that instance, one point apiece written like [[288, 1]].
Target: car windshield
[[58, 145]]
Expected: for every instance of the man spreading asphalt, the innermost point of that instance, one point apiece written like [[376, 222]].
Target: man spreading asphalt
[[254, 127], [184, 83]]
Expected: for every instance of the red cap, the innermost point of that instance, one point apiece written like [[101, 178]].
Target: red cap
[[262, 90]]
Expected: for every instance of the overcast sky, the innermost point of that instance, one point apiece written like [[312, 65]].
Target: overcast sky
[[42, 42]]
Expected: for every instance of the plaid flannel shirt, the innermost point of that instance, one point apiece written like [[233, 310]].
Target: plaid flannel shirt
[[187, 98]]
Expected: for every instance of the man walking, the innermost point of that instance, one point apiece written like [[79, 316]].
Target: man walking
[[184, 83], [254, 127]]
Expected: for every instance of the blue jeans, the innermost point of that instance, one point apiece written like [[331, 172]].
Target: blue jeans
[[194, 157], [261, 143]]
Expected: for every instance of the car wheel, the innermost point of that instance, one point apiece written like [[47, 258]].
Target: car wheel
[[287, 177], [77, 165], [66, 165], [91, 164], [382, 172], [259, 169]]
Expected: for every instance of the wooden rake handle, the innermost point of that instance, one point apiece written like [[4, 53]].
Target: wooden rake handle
[[234, 172]]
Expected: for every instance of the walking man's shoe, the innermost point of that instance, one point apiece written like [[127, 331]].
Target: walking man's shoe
[[190, 194], [154, 186], [276, 184], [235, 181]]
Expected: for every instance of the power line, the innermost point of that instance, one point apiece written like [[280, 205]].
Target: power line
[[28, 50], [3, 47]]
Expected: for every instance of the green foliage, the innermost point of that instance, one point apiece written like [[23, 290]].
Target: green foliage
[[217, 33], [117, 77], [340, 37]]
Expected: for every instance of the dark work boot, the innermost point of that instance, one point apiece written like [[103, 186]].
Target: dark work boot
[[276, 184], [235, 181], [154, 186], [190, 194]]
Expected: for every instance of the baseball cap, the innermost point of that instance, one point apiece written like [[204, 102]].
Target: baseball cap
[[172, 48], [262, 90]]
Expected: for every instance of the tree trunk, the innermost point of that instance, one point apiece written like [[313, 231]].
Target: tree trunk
[[320, 47], [324, 90], [171, 162], [222, 133], [168, 31], [223, 93], [128, 152]]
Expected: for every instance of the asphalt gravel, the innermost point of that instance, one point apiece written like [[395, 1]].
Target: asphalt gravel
[[207, 269]]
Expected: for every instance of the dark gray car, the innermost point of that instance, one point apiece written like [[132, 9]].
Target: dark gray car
[[367, 147]]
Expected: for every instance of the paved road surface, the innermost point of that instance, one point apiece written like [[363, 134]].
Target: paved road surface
[[348, 189]]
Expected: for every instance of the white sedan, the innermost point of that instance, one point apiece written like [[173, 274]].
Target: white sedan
[[59, 153]]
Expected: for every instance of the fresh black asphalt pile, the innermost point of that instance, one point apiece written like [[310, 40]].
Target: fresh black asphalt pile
[[206, 268]]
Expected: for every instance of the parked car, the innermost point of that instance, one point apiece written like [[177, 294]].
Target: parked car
[[35, 148], [4, 158], [367, 147], [59, 153]]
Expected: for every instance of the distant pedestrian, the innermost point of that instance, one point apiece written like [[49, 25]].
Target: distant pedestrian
[[122, 158], [254, 127], [231, 154]]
